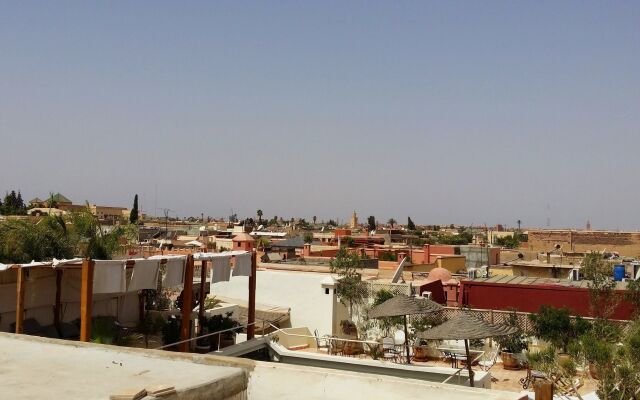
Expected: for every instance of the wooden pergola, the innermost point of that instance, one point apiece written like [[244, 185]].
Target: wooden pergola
[[86, 296]]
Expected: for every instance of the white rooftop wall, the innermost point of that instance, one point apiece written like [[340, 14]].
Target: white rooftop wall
[[300, 291]]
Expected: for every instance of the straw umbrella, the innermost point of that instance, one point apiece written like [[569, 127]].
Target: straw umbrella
[[466, 326], [401, 306]]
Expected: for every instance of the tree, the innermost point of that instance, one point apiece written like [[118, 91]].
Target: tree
[[509, 242], [262, 242], [391, 222], [259, 214], [347, 241], [308, 237], [602, 298], [410, 225], [371, 223], [350, 288], [556, 326], [13, 204], [133, 216]]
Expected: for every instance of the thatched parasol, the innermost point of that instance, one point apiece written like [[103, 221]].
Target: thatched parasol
[[401, 306], [467, 327]]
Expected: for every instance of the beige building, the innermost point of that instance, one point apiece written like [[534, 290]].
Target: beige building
[[111, 214], [625, 243]]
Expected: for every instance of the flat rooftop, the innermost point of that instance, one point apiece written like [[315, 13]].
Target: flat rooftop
[[525, 280], [33, 368]]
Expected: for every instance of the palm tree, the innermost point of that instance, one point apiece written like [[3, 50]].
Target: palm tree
[[391, 222], [259, 213], [262, 242]]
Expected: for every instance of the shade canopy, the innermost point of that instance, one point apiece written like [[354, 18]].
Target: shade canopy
[[466, 326], [404, 305]]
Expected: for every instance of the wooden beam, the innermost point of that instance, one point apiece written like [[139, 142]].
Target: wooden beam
[[20, 286], [187, 300], [251, 320], [466, 348], [86, 300], [203, 295], [57, 306]]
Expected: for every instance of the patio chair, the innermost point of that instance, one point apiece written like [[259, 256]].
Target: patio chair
[[336, 346], [389, 349], [321, 342], [488, 359], [448, 356], [532, 376]]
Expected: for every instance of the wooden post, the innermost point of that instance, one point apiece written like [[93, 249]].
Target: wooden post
[[57, 307], [406, 339], [543, 390], [187, 301], [20, 285], [86, 300], [466, 347], [251, 320], [203, 295]]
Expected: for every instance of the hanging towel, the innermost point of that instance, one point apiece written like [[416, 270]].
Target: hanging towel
[[220, 270], [243, 265], [59, 263], [175, 272], [145, 275], [109, 277]]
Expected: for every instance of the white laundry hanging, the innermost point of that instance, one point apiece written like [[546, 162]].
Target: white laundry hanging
[[243, 265], [145, 275], [174, 275], [109, 277], [220, 269]]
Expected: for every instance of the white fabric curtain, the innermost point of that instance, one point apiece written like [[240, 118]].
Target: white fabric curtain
[[243, 265], [145, 275], [109, 277], [220, 269]]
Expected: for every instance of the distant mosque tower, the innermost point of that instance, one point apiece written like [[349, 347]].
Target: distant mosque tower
[[354, 220], [588, 225]]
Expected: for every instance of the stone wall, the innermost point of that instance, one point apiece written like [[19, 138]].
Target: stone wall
[[625, 243]]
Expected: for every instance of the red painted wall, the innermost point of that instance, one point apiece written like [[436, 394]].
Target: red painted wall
[[529, 298], [442, 249]]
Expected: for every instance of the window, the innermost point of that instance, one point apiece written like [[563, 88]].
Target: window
[[327, 290]]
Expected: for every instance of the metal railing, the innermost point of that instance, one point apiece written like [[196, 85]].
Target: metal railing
[[219, 333]]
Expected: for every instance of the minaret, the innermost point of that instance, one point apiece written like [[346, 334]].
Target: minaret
[[588, 225], [354, 220]]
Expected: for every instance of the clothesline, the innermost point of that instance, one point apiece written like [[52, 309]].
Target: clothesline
[[59, 263], [110, 276]]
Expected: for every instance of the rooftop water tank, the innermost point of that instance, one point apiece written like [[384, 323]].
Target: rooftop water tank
[[618, 272]]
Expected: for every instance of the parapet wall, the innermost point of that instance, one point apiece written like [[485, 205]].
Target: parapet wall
[[625, 243]]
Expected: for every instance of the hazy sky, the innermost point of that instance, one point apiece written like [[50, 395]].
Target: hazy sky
[[448, 111]]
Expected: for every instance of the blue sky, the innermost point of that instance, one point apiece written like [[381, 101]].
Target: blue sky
[[448, 111]]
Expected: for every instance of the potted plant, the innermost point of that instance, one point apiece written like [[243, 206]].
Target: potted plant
[[348, 327], [511, 346], [220, 323], [203, 344], [171, 333], [103, 330], [422, 350]]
